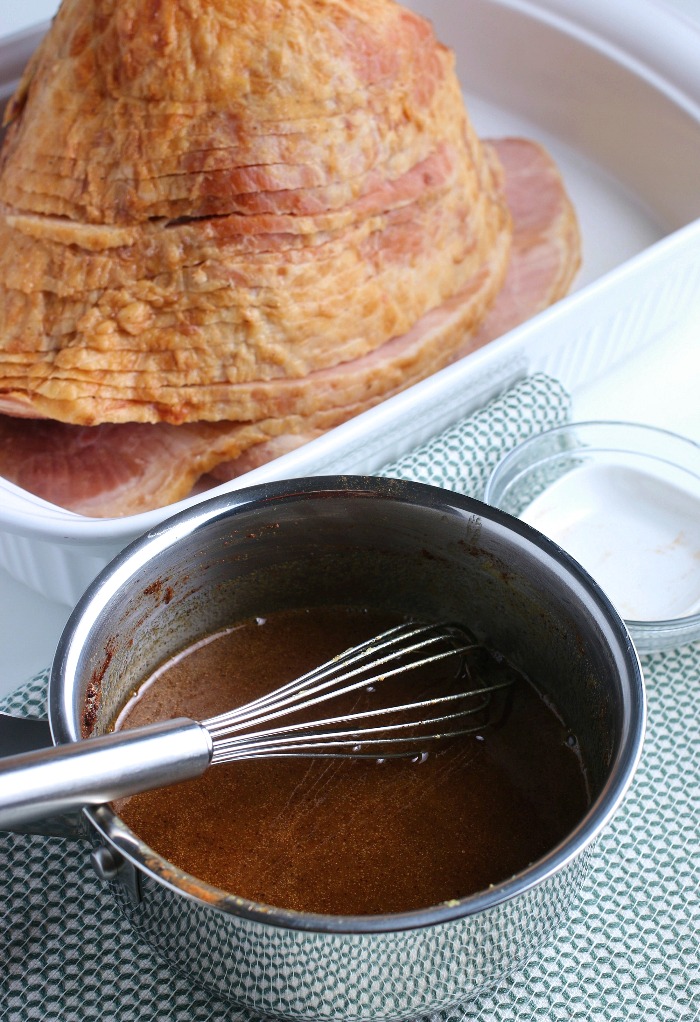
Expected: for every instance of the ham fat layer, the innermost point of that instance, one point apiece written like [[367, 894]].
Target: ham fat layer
[[120, 469]]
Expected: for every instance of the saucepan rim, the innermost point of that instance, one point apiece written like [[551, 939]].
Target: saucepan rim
[[621, 772]]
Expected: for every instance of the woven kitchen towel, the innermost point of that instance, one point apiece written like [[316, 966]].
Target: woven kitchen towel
[[629, 952], [464, 455]]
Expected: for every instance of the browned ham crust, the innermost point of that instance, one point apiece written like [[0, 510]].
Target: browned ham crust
[[229, 225], [126, 468], [203, 198]]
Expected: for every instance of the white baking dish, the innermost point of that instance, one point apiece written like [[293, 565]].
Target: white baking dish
[[614, 92]]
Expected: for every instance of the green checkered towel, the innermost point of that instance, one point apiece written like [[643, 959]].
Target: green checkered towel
[[463, 456], [629, 952]]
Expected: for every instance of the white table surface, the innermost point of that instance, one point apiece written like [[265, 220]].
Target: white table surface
[[30, 625]]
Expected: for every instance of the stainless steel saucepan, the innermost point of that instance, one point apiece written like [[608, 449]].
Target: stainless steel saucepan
[[380, 543]]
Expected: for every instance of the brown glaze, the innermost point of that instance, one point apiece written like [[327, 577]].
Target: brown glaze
[[354, 837]]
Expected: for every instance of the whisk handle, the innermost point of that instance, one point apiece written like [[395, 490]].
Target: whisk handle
[[38, 785]]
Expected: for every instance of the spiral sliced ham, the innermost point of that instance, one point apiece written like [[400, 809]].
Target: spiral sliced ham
[[201, 198], [229, 225], [126, 468]]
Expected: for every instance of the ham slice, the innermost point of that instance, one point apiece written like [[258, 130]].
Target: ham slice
[[546, 252], [110, 470]]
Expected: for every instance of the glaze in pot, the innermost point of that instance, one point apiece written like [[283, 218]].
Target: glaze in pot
[[359, 541]]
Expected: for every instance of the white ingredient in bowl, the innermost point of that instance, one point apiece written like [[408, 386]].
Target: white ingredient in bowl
[[636, 533]]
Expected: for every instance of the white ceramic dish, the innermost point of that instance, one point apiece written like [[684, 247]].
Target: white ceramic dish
[[624, 500], [615, 94]]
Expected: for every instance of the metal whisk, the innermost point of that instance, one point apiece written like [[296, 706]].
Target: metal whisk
[[37, 785]]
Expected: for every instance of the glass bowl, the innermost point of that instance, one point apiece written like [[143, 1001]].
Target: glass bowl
[[623, 499]]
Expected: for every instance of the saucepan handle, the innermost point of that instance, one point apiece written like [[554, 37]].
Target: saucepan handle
[[29, 734], [39, 785], [23, 734]]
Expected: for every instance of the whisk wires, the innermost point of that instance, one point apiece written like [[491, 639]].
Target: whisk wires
[[364, 733]]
